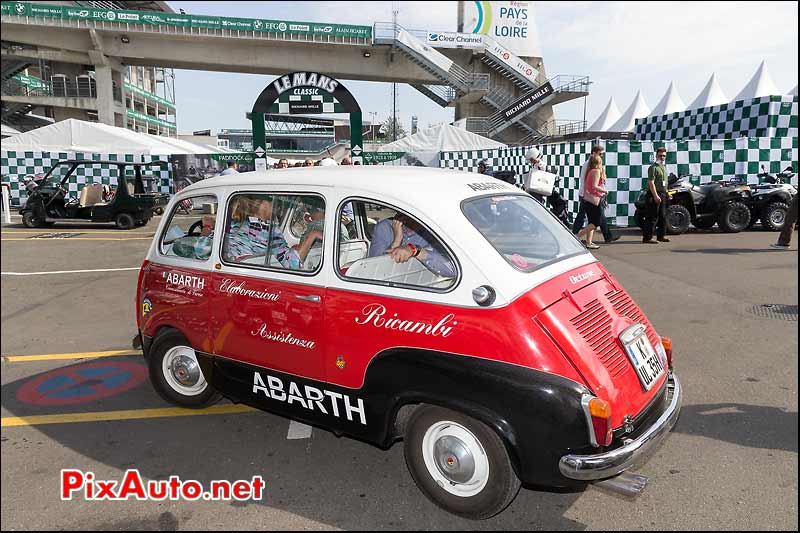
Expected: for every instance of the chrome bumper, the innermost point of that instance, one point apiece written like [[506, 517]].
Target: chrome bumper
[[605, 465]]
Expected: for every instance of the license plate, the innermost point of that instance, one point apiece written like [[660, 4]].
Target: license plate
[[645, 360]]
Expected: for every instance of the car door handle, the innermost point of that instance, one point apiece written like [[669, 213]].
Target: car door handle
[[308, 297]]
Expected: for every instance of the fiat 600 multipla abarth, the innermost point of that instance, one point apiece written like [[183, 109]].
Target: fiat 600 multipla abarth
[[445, 309]]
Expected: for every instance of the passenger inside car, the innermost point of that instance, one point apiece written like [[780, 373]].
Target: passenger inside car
[[254, 233], [402, 238]]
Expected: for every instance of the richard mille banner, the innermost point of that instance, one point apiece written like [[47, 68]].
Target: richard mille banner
[[528, 101]]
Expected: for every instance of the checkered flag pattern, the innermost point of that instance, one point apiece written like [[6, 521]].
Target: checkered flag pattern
[[627, 163], [769, 116], [329, 103], [14, 166]]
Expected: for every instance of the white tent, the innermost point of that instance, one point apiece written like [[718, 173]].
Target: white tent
[[710, 96], [8, 131], [607, 118], [637, 109], [760, 84], [73, 135], [423, 147], [671, 102], [793, 92]]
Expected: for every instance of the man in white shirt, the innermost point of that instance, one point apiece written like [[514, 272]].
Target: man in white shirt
[[231, 169], [581, 216]]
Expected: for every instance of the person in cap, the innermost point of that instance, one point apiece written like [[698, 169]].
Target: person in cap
[[483, 168]]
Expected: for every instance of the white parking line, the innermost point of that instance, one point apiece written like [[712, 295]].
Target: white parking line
[[298, 431], [66, 271]]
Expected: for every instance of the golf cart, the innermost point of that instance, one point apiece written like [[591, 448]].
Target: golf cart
[[131, 206]]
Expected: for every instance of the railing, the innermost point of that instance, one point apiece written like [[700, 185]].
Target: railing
[[389, 33], [59, 86], [569, 83], [553, 128]]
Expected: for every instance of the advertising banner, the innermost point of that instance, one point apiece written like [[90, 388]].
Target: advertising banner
[[184, 21], [526, 102], [512, 61], [512, 24], [32, 81], [138, 90], [454, 40], [151, 120], [423, 49]]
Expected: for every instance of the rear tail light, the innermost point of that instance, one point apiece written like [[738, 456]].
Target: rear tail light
[[598, 418], [666, 342]]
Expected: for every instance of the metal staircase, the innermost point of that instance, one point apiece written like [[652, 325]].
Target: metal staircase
[[443, 95], [503, 61], [439, 65], [11, 68]]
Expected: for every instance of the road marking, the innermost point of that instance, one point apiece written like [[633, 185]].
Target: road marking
[[30, 239], [67, 271], [132, 414], [75, 230], [298, 430], [77, 355]]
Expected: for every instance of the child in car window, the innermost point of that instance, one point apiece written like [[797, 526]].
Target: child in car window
[[316, 210], [401, 238], [254, 233]]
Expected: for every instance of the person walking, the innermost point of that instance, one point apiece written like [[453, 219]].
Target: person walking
[[657, 200], [483, 168], [594, 193], [785, 238], [609, 237], [232, 169]]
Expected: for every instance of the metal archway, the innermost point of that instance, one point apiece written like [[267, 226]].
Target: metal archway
[[305, 84]]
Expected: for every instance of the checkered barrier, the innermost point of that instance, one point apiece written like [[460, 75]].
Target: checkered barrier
[[14, 166], [627, 162], [769, 116]]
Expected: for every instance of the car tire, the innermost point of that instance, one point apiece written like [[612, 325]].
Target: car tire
[[459, 463], [735, 217], [678, 219], [125, 221], [704, 223], [29, 220], [638, 215], [175, 373], [773, 217]]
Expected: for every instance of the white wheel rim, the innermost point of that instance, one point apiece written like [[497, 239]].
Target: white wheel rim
[[182, 371], [455, 459]]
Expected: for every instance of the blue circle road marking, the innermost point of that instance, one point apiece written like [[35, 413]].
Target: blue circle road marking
[[82, 383]]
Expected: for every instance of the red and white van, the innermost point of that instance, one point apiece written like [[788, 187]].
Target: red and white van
[[446, 309]]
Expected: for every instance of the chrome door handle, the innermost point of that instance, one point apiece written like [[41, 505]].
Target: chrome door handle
[[308, 298]]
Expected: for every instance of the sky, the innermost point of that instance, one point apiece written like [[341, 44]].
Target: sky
[[622, 46]]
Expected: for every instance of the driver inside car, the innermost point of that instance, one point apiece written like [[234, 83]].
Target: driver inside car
[[401, 238], [252, 233]]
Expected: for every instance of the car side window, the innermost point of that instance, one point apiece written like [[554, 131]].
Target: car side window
[[276, 231], [399, 250], [190, 230]]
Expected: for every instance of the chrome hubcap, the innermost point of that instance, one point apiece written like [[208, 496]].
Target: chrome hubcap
[[777, 217], [182, 371], [455, 459]]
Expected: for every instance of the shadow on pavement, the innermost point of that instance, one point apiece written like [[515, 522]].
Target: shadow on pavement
[[755, 426], [338, 482], [728, 251]]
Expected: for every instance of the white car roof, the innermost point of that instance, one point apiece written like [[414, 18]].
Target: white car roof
[[419, 186]]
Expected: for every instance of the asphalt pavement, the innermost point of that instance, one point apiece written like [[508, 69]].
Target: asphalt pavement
[[728, 302]]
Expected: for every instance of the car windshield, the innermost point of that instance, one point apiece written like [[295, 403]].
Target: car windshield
[[521, 230], [58, 174]]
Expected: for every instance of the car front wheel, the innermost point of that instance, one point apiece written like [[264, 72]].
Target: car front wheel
[[32, 221], [176, 374], [735, 217], [459, 463]]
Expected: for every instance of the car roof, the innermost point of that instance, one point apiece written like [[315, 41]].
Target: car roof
[[425, 188]]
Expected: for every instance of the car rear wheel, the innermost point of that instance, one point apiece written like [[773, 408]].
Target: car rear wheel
[[176, 374], [678, 219], [125, 221], [774, 216], [459, 463], [734, 218]]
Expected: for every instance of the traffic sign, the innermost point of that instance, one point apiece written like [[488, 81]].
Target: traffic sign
[[82, 383]]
